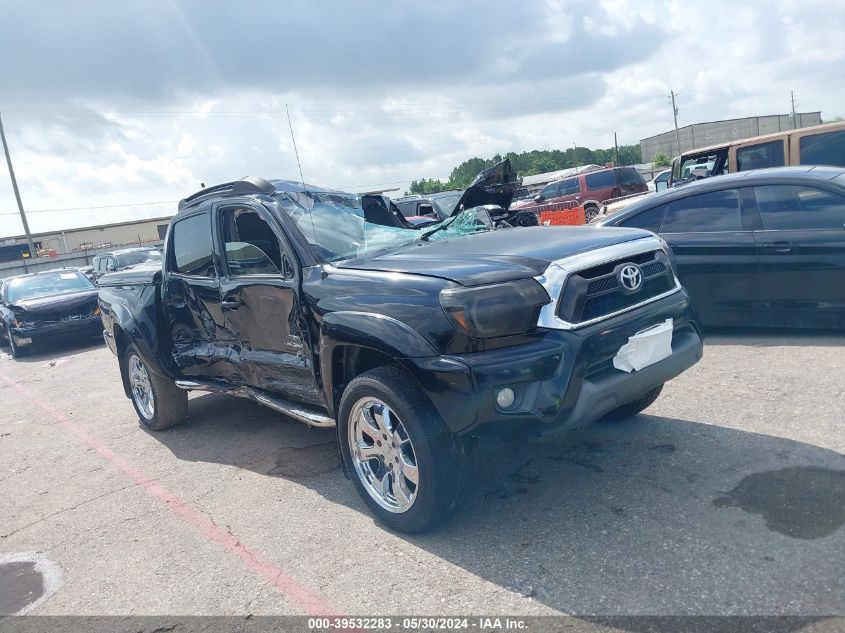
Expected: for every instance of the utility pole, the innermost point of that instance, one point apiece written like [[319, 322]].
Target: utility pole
[[616, 148], [32, 252], [575, 156], [794, 116], [672, 96]]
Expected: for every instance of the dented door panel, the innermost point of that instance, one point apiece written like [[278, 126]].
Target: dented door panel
[[262, 321], [197, 329]]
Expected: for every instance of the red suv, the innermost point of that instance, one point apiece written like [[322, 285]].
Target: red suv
[[589, 189]]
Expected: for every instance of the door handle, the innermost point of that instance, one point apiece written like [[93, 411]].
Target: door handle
[[230, 305], [780, 247]]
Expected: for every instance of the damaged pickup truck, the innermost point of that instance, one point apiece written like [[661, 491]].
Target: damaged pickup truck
[[410, 342]]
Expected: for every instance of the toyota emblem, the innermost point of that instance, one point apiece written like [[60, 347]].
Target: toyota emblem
[[631, 277]]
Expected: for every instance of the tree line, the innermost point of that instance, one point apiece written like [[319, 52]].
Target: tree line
[[527, 164]]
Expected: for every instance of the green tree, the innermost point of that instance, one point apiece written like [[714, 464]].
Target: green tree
[[661, 160], [538, 161], [425, 186]]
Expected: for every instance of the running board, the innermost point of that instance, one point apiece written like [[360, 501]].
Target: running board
[[299, 412]]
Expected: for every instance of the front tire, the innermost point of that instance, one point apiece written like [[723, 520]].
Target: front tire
[[403, 460], [15, 350], [158, 402], [590, 214]]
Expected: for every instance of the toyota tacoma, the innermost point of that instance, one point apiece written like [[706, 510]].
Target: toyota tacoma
[[411, 343]]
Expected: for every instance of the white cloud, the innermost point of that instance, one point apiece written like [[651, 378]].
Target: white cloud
[[380, 94]]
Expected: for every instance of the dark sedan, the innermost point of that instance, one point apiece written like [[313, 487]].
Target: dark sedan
[[55, 304], [761, 248]]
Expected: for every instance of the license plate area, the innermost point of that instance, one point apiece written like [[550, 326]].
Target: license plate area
[[646, 347]]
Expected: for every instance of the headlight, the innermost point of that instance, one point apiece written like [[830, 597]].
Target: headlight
[[669, 253], [495, 310], [18, 322]]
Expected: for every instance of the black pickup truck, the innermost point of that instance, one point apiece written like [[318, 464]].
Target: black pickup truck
[[409, 342]]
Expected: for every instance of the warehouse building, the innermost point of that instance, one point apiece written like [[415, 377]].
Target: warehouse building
[[87, 239], [704, 134]]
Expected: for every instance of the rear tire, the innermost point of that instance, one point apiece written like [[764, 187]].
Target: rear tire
[[158, 402], [628, 411], [590, 213], [406, 464]]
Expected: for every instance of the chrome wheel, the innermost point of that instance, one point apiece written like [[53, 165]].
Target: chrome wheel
[[383, 455], [142, 390]]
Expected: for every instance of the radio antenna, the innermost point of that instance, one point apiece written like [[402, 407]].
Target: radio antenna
[[295, 151]]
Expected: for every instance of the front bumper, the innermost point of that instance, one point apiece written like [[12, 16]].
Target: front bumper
[[562, 380], [88, 326]]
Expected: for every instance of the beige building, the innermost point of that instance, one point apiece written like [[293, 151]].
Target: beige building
[[89, 238]]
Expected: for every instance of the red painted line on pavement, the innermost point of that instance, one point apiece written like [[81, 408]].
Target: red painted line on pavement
[[308, 600]]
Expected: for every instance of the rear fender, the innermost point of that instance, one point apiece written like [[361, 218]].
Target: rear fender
[[131, 316]]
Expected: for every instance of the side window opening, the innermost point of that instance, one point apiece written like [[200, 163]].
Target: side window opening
[[600, 180], [787, 207], [569, 187], [250, 244], [760, 156], [823, 149], [705, 213], [550, 191], [648, 220], [192, 248]]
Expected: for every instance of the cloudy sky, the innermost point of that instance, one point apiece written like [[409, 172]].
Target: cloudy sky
[[114, 110]]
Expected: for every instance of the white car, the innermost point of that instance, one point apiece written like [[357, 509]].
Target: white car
[[660, 181]]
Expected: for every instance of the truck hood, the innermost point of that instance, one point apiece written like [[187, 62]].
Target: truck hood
[[69, 303], [495, 256], [495, 185]]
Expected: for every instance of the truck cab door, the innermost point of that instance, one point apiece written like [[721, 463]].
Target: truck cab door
[[260, 303], [191, 294]]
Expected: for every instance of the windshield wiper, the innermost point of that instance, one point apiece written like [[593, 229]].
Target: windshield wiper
[[445, 224]]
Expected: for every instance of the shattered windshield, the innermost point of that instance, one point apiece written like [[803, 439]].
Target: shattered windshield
[[334, 224]]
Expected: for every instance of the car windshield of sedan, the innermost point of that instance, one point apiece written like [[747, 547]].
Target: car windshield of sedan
[[445, 204], [125, 260], [335, 226], [46, 285]]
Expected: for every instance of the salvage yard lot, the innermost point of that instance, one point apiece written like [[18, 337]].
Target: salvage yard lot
[[726, 497]]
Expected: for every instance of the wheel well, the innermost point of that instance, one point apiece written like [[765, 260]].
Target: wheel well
[[349, 361], [121, 342]]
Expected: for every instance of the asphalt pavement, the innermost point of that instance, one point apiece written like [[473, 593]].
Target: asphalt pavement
[[726, 497]]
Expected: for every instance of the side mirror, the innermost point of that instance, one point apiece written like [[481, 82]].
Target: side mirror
[[110, 267], [539, 198]]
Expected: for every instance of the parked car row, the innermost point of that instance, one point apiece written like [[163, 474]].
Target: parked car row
[[760, 248]]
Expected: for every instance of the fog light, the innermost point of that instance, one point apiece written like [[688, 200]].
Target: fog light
[[505, 398]]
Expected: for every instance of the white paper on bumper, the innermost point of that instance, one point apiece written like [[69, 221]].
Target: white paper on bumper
[[645, 348]]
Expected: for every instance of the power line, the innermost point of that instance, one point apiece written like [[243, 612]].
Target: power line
[[106, 206]]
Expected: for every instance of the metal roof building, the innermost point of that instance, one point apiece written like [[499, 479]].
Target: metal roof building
[[713, 132]]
